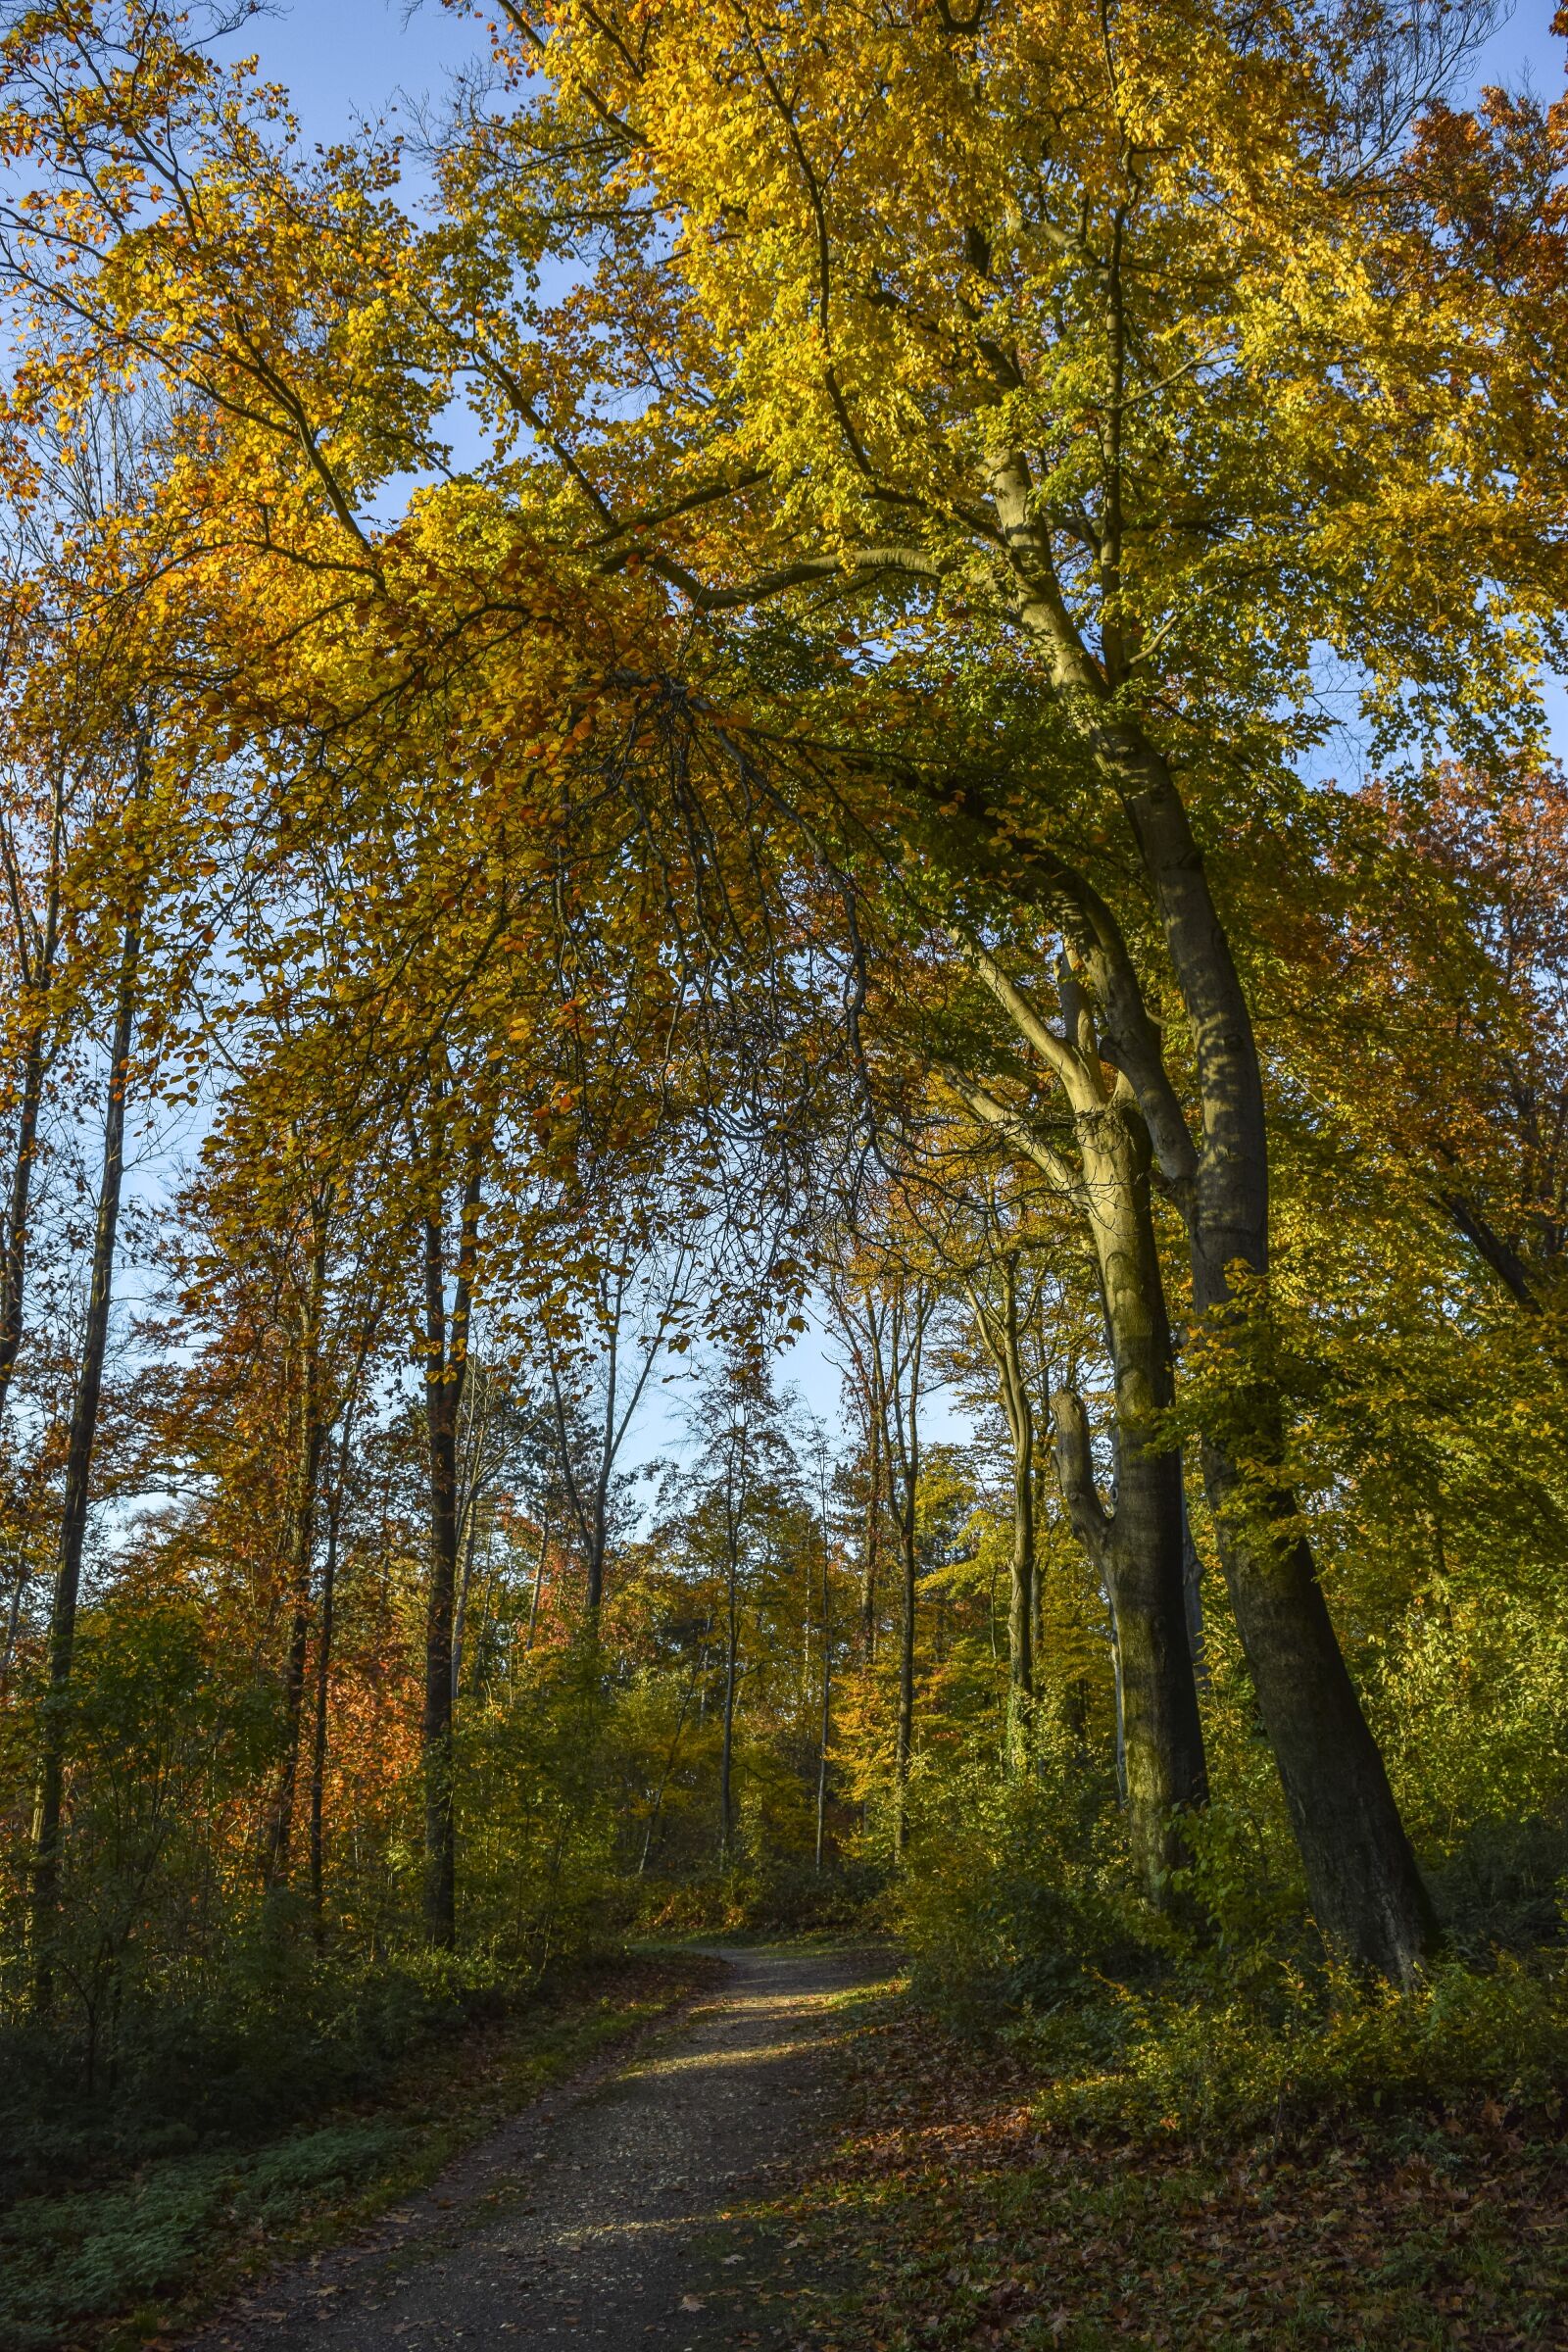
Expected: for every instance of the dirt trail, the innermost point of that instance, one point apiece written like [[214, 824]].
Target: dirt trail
[[613, 2209]]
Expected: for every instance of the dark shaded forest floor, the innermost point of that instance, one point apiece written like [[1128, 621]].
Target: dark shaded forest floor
[[112, 2257], [767, 2149]]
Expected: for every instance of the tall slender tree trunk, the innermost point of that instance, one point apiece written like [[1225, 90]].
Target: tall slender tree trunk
[[1193, 1596], [19, 1594], [826, 1725], [906, 1404], [49, 1803], [670, 1764], [1003, 1343], [538, 1577], [323, 1673], [301, 1555], [446, 1370], [589, 1508], [469, 1524], [875, 1416], [599, 1514], [440, 1843], [37, 980], [726, 1753]]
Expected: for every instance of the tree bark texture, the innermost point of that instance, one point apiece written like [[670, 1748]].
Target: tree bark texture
[[1139, 1547], [1001, 1336], [1365, 1889], [903, 1394]]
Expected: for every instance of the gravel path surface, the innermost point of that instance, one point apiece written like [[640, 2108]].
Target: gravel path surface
[[619, 2208]]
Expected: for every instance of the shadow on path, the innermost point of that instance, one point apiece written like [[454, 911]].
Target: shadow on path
[[621, 2209]]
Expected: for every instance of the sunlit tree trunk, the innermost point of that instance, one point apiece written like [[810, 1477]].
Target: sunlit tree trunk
[[1138, 1549], [36, 974], [36, 953], [826, 1725], [323, 1672], [735, 1505], [875, 1414], [1139, 1545], [726, 1753]]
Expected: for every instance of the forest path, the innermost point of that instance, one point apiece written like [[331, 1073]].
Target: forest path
[[626, 2208]]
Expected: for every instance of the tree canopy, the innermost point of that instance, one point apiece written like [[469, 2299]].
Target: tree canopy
[[705, 711]]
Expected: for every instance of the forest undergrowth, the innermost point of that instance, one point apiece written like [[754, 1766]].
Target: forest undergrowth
[[1089, 2124], [1189, 2169], [125, 2218]]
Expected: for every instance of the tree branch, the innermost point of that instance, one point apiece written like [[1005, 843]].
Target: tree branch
[[1075, 1470]]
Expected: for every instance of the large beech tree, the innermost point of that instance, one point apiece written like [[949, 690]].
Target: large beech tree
[[1137, 354], [1131, 335]]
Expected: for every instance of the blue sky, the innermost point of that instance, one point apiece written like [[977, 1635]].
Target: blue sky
[[346, 58], [1522, 45]]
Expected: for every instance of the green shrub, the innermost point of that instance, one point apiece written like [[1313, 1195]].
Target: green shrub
[[1015, 1894], [1308, 2053]]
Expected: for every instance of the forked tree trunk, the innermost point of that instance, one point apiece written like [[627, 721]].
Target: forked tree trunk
[[1139, 1548], [1365, 1889]]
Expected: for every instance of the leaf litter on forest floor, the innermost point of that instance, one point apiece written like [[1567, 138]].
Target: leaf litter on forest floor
[[968, 2218]]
